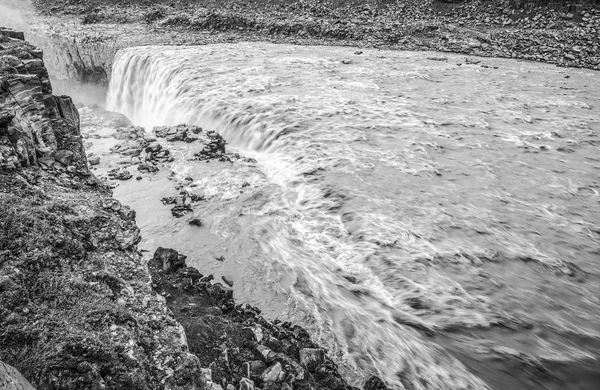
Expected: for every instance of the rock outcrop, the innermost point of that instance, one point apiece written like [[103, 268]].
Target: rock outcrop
[[36, 128], [77, 309]]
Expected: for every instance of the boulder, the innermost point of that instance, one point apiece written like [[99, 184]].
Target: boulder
[[374, 383], [169, 260]]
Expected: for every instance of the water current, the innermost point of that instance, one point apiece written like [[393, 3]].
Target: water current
[[431, 220]]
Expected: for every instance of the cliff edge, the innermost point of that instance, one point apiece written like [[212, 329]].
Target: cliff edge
[[77, 309]]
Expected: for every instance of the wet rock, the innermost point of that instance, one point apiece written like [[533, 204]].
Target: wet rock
[[177, 133], [120, 174], [311, 358], [181, 210], [374, 383], [195, 222], [169, 260], [153, 147], [147, 168]]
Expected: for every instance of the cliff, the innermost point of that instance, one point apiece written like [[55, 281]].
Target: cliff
[[77, 309]]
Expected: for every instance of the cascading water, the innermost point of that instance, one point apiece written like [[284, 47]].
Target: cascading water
[[399, 203]]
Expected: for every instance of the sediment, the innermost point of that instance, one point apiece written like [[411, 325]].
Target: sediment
[[79, 307]]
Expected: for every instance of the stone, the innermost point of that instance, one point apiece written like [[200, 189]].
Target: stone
[[195, 222], [570, 57], [153, 147], [254, 368], [246, 384], [122, 174], [374, 383], [169, 260], [311, 358], [65, 157], [94, 160], [181, 210], [274, 373]]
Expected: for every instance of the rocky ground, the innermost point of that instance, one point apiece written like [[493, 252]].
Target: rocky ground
[[565, 35], [80, 306]]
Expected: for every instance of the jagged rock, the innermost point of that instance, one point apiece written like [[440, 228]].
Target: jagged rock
[[181, 210], [168, 259], [274, 373], [64, 157], [311, 358], [254, 369], [374, 383], [153, 147], [11, 379], [246, 384]]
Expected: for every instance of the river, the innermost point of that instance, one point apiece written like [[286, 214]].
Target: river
[[431, 219]]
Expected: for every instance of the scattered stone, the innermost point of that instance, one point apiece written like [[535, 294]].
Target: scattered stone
[[346, 62], [180, 211], [94, 160]]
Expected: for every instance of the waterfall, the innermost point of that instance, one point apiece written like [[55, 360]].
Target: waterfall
[[393, 205]]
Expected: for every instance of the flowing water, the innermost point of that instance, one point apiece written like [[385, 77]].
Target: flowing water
[[412, 213]]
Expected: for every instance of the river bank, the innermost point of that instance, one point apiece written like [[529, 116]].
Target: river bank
[[79, 307], [562, 35]]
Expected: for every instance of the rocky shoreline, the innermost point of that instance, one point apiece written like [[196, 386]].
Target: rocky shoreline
[[80, 305], [560, 34]]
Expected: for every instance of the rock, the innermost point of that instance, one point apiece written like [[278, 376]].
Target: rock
[[11, 379], [195, 222], [121, 174], [147, 168], [227, 281], [94, 160], [253, 369], [374, 383], [274, 373], [570, 57], [153, 147], [181, 210], [311, 358], [246, 384], [65, 157], [263, 353], [346, 62], [169, 260]]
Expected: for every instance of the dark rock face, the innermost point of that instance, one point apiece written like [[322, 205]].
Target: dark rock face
[[34, 124], [241, 348]]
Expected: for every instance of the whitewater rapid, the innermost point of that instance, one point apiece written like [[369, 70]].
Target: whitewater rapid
[[403, 207]]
